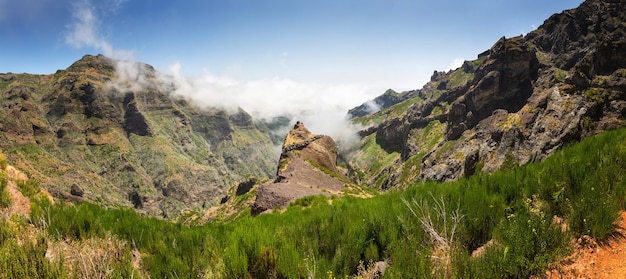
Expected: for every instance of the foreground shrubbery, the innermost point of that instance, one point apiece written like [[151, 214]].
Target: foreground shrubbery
[[583, 184]]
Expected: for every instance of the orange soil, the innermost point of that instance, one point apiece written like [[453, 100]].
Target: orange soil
[[590, 259]]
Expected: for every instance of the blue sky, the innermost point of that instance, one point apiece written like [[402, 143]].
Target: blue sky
[[335, 54], [392, 43]]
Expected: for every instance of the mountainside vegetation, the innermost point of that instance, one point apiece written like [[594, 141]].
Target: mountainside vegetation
[[516, 103], [83, 136], [521, 219], [491, 170]]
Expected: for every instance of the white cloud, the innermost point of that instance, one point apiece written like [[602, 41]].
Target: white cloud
[[455, 64], [84, 31], [321, 107]]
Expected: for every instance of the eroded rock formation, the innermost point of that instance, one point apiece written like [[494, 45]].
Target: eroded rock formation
[[307, 166]]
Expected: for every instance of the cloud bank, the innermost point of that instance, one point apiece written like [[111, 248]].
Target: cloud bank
[[322, 107]]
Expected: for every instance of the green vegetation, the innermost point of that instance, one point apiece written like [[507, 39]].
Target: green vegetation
[[395, 111], [460, 78], [5, 200], [375, 156], [560, 74], [584, 184], [26, 260], [28, 188], [3, 163]]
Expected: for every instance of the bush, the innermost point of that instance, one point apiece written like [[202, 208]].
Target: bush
[[584, 183], [28, 260], [5, 199], [3, 163], [28, 188]]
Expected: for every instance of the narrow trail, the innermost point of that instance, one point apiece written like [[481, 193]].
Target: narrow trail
[[591, 259]]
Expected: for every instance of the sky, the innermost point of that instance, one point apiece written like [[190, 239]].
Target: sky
[[341, 52]]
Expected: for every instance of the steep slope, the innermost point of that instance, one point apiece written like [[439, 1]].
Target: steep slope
[[84, 132], [516, 103]]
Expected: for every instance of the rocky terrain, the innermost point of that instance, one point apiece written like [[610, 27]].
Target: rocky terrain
[[516, 103], [84, 136], [307, 166]]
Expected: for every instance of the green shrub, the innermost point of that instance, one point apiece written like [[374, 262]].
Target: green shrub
[[28, 260], [527, 243], [5, 199], [3, 163], [28, 188]]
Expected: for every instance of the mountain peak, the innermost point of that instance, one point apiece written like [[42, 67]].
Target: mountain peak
[[297, 134], [516, 103], [307, 166], [97, 127]]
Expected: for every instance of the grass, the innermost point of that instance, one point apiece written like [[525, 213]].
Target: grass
[[5, 199], [395, 111], [28, 188], [584, 184], [374, 157]]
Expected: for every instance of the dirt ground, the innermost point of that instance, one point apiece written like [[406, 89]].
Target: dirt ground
[[590, 259]]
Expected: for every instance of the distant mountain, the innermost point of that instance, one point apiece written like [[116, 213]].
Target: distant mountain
[[516, 103], [84, 139], [387, 99]]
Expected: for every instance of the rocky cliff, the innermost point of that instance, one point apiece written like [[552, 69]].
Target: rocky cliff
[[516, 103], [307, 166], [82, 135]]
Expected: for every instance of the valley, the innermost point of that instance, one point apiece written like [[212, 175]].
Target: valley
[[510, 166]]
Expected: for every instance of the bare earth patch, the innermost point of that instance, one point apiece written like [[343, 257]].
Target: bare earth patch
[[591, 259], [19, 203]]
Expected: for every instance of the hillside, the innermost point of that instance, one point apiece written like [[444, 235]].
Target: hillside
[[86, 135], [511, 166], [307, 167], [513, 224], [516, 103]]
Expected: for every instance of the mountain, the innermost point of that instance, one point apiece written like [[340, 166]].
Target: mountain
[[516, 103], [90, 133], [307, 167], [387, 99], [84, 135]]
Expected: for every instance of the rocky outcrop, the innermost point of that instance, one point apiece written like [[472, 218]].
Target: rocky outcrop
[[503, 81], [516, 103], [307, 166]]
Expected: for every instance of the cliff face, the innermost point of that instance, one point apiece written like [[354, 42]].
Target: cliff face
[[128, 145], [516, 103], [307, 166]]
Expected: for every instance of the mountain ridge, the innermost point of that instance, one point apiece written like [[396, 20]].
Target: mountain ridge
[[127, 142], [516, 103], [124, 139]]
